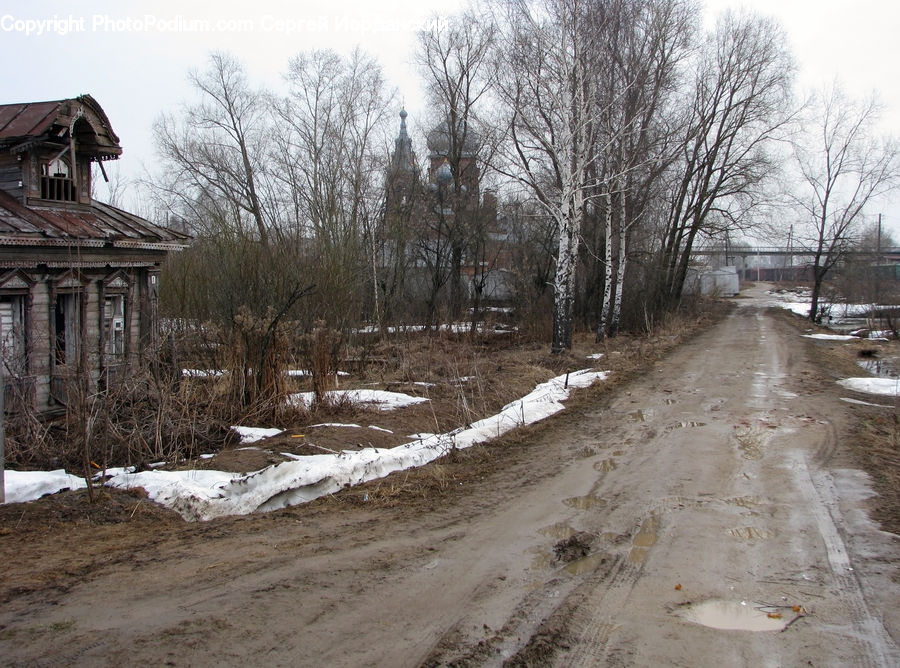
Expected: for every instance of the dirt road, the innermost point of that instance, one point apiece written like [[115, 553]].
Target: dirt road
[[715, 477]]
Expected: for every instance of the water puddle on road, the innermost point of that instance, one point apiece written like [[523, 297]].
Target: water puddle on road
[[560, 531], [638, 416], [749, 533], [584, 502], [643, 540], [586, 564], [605, 466], [733, 616], [541, 560], [685, 425]]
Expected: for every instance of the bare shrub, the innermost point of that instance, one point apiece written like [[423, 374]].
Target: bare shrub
[[322, 349]]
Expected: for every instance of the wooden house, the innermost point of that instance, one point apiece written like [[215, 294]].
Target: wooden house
[[78, 278]]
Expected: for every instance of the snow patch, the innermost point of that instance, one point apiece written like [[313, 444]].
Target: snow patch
[[29, 485], [254, 434], [881, 386]]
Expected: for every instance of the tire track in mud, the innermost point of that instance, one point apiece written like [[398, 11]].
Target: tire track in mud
[[874, 645], [592, 628]]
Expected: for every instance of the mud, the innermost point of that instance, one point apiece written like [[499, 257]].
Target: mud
[[532, 551]]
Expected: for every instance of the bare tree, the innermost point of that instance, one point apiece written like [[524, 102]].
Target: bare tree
[[646, 43], [740, 106], [454, 57], [330, 165], [546, 64], [843, 165], [216, 152]]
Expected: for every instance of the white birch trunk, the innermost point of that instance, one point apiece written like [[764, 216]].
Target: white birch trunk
[[620, 270], [603, 328]]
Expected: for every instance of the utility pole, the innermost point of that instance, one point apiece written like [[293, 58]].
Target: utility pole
[[878, 247]]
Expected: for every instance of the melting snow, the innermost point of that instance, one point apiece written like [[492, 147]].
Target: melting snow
[[386, 401], [203, 495], [28, 485], [831, 337], [254, 434], [881, 386]]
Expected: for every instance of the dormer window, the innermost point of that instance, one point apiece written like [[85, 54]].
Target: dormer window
[[56, 181]]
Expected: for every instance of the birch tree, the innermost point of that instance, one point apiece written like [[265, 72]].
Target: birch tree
[[546, 60], [646, 44], [843, 165]]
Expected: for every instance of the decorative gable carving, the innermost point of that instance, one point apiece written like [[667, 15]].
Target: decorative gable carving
[[117, 281], [71, 280], [16, 280]]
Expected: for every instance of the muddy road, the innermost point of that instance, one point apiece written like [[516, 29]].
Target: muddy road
[[713, 489]]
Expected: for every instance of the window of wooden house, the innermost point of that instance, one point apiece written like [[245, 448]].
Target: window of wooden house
[[114, 327], [13, 335], [56, 181], [67, 328]]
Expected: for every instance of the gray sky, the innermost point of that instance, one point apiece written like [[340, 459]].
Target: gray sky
[[133, 57]]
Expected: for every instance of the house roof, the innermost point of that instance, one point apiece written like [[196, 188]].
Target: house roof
[[25, 124], [98, 225]]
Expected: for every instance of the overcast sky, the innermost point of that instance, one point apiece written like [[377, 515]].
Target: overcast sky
[[133, 57]]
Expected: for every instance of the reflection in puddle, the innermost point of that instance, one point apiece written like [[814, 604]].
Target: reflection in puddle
[[637, 416], [643, 540], [746, 501], [749, 533], [885, 368], [584, 502], [605, 466], [585, 564], [541, 561], [685, 425], [731, 616]]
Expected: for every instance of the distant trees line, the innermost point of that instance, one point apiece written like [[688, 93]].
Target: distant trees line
[[616, 135]]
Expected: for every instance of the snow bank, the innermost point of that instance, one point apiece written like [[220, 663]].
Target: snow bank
[[385, 401], [832, 337], [28, 485], [203, 495], [882, 386], [254, 434]]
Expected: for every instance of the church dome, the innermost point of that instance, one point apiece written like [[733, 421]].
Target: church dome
[[438, 140]]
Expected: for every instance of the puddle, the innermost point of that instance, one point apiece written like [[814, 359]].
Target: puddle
[[749, 533], [884, 368], [584, 502], [541, 561], [586, 564], [685, 425], [749, 443], [639, 416], [732, 616], [605, 466], [746, 501], [643, 540], [560, 531]]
